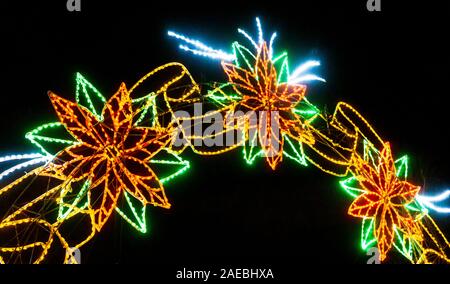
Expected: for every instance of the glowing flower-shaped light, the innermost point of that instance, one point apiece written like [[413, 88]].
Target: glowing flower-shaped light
[[260, 81], [101, 156], [384, 199], [111, 153], [260, 91]]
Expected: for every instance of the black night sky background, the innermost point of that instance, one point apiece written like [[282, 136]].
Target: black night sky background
[[393, 66]]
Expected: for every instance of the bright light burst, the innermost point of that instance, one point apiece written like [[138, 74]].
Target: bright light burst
[[36, 158], [201, 49], [429, 201]]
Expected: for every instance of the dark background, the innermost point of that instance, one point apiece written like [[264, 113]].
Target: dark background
[[391, 65]]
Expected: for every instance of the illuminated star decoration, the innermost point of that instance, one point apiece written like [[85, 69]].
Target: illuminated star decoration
[[261, 82], [109, 156], [388, 204]]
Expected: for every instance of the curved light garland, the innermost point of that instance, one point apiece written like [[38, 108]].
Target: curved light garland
[[102, 155], [393, 213]]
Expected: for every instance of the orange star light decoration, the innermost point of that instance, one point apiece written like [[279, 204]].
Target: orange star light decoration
[[384, 198], [260, 92], [113, 154]]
